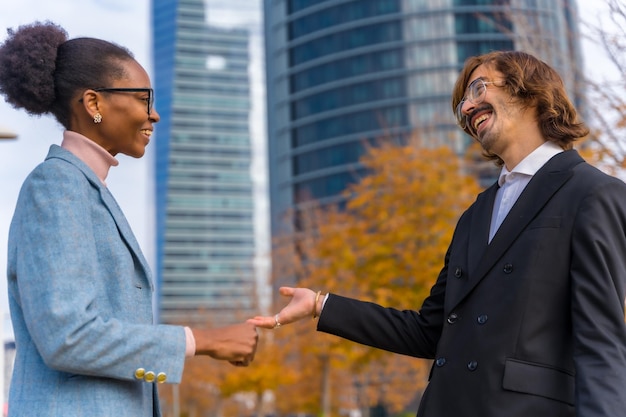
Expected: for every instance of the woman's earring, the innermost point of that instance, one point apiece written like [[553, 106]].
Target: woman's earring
[[97, 118]]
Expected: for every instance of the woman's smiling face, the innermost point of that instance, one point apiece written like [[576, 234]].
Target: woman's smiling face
[[126, 126]]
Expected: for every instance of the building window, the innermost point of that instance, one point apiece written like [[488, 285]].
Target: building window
[[327, 186], [482, 22], [472, 48], [348, 124], [297, 5], [481, 2], [375, 62], [344, 41], [343, 13], [348, 96], [346, 153]]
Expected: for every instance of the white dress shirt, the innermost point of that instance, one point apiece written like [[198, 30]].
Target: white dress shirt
[[513, 182]]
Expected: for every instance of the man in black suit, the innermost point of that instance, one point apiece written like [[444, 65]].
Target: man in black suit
[[526, 318]]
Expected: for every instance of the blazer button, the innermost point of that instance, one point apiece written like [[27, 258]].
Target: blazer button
[[508, 268], [452, 318], [440, 362], [482, 319], [139, 373], [161, 377], [458, 272], [149, 377], [472, 365]]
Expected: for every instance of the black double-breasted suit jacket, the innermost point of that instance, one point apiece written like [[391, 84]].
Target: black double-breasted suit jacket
[[530, 324]]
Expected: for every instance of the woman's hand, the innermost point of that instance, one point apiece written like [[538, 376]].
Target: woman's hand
[[236, 343], [302, 305]]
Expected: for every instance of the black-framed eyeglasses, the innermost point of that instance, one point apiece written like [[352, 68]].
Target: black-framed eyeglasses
[[476, 92], [149, 91]]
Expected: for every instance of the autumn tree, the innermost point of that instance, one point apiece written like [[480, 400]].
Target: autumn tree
[[387, 246]]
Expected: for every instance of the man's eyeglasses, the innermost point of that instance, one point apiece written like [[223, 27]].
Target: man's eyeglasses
[[149, 91], [476, 92]]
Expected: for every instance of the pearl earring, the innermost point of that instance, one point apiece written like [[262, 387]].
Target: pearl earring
[[97, 118]]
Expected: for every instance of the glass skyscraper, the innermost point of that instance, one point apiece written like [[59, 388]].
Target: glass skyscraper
[[341, 74], [204, 190]]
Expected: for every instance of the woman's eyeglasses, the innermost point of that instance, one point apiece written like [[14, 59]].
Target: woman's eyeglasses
[[149, 91]]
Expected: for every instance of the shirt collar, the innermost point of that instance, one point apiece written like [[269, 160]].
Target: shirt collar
[[93, 155], [533, 161]]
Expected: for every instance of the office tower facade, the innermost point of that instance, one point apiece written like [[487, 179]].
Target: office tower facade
[[204, 191], [342, 74]]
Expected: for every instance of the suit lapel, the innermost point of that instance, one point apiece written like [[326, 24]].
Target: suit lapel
[[542, 187], [479, 226]]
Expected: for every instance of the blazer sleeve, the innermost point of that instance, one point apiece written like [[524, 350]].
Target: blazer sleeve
[[407, 332], [62, 290], [598, 275]]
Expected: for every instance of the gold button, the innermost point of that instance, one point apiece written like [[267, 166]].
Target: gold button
[[139, 373], [149, 377], [161, 377]]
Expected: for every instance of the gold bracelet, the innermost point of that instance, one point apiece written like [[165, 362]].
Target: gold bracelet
[[317, 297]]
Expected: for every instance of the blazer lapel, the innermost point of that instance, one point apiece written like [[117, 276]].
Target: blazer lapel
[[109, 201], [544, 184], [123, 227]]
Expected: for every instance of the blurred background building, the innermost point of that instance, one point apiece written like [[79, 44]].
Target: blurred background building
[[204, 192], [343, 74]]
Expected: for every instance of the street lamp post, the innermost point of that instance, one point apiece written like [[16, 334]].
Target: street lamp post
[[6, 133]]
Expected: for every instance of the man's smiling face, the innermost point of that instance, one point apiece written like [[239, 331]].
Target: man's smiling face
[[492, 115]]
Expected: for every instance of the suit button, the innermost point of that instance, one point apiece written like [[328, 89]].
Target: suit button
[[458, 272], [508, 268], [482, 319], [472, 365], [452, 318], [161, 377], [149, 377], [440, 362], [139, 373]]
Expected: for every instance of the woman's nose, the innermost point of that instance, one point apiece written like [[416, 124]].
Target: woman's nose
[[154, 115]]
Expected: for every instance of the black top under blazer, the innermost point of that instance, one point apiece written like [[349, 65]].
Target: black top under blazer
[[529, 325]]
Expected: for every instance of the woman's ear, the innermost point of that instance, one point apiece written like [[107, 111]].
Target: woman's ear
[[89, 100]]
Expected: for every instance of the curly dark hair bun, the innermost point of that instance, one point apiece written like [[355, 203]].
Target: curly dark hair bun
[[27, 64]]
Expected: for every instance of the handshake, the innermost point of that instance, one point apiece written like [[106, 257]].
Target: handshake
[[237, 343]]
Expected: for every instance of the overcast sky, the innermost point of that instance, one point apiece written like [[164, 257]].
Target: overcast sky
[[127, 23]]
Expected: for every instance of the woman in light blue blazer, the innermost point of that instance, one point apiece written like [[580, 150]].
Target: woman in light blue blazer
[[80, 290]]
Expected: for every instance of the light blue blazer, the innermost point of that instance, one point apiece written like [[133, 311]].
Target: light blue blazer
[[80, 294]]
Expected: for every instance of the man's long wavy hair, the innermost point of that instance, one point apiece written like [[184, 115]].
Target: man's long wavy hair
[[535, 84]]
